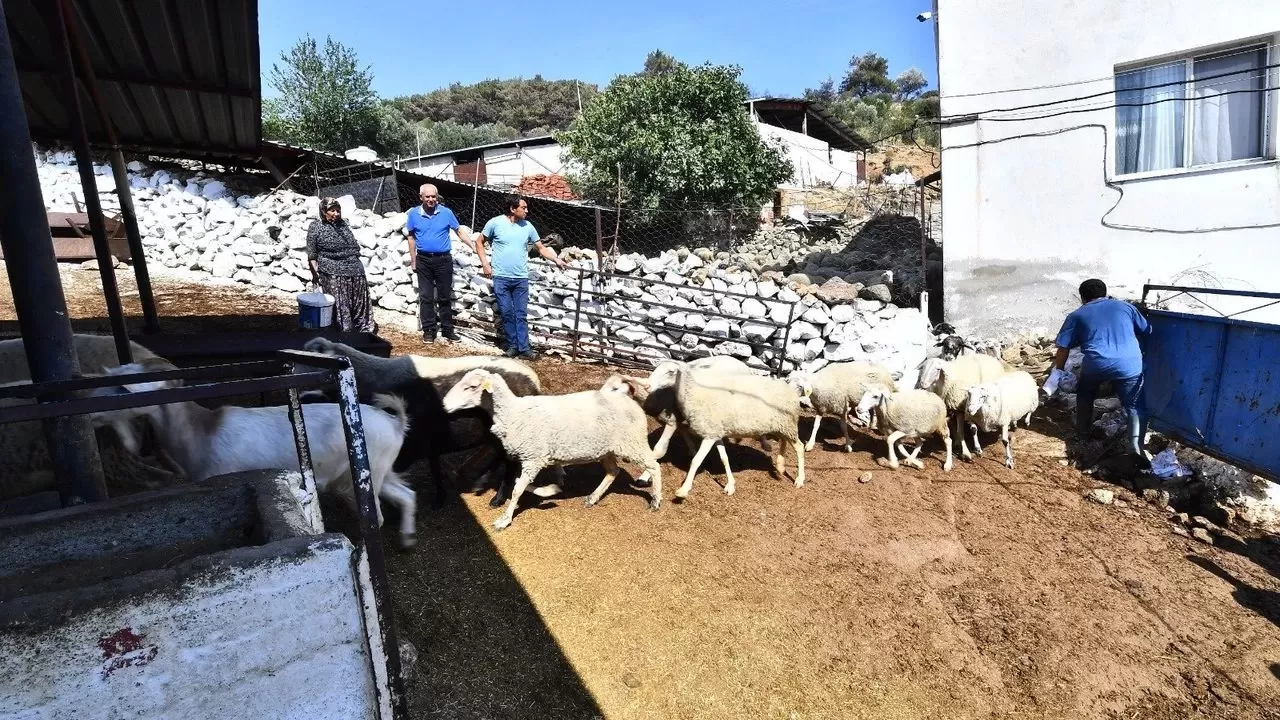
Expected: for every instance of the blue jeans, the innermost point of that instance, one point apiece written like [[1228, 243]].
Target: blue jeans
[[1129, 391], [513, 304]]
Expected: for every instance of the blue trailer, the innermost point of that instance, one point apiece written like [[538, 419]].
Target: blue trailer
[[1213, 382]]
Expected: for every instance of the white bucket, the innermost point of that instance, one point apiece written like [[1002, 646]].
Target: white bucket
[[315, 310]]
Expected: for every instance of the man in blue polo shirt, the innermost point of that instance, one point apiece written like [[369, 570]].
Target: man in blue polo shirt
[[511, 235], [430, 256], [1107, 331]]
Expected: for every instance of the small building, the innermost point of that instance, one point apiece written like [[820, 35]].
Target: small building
[[1134, 142], [823, 150]]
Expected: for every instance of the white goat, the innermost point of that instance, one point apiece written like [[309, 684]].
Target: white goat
[[229, 439], [548, 430], [999, 404]]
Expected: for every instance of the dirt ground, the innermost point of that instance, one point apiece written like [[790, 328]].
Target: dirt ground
[[979, 593]]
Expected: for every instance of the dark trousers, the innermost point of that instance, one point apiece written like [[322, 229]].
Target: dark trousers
[[513, 304], [435, 292], [1129, 392]]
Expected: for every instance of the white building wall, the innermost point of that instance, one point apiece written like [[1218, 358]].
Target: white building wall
[[814, 161], [1023, 216], [505, 166]]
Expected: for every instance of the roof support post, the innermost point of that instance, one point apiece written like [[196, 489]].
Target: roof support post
[[93, 206], [138, 257], [37, 289]]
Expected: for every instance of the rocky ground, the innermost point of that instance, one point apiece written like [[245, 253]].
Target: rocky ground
[[980, 593]]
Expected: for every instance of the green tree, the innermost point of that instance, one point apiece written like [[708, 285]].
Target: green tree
[[326, 100], [529, 106], [678, 138], [910, 84], [449, 135], [659, 62], [868, 76]]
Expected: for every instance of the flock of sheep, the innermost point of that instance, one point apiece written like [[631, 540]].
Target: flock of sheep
[[421, 408]]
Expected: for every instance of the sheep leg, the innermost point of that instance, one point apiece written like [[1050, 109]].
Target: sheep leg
[[610, 464], [976, 447], [684, 490], [894, 437], [946, 440], [528, 471], [844, 424], [799, 462], [911, 459], [728, 471], [765, 447], [400, 495], [813, 436], [1008, 446], [660, 448], [653, 470], [964, 447]]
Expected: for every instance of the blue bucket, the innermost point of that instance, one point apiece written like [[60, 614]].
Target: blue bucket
[[315, 310]]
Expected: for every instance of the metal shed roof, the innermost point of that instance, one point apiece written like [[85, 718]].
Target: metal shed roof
[[175, 76], [788, 113]]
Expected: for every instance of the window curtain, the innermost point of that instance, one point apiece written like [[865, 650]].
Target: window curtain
[[1152, 136], [1228, 127]]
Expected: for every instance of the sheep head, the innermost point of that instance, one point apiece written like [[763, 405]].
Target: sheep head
[[664, 375], [321, 345], [469, 391], [870, 399], [978, 397], [953, 346], [636, 388]]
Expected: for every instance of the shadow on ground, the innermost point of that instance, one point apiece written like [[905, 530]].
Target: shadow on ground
[[1264, 602]]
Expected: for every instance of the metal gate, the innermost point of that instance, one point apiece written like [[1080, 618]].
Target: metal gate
[[1213, 382]]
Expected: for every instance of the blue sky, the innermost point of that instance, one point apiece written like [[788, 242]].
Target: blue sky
[[783, 47]]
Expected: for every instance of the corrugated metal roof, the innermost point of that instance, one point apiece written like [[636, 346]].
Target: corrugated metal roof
[[476, 150], [788, 112], [176, 76]]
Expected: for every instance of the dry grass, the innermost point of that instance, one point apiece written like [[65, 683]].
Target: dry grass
[[982, 593]]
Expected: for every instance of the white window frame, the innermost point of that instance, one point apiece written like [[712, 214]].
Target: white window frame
[[1268, 44]]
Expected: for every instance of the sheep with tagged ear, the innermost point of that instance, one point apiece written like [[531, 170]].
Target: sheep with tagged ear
[[228, 439], [717, 407], [549, 430], [953, 346], [908, 415], [834, 391], [999, 404]]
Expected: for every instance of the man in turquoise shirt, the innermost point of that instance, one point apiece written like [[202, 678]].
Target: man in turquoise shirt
[[511, 235]]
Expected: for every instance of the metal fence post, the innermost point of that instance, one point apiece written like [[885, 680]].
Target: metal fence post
[[599, 243], [577, 315], [370, 536], [786, 339], [300, 440]]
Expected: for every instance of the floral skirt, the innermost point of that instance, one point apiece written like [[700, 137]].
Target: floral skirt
[[352, 309]]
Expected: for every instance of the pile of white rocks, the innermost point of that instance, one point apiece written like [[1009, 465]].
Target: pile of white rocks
[[712, 302]]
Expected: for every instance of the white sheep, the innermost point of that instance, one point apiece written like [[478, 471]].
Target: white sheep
[[908, 415], [834, 391], [953, 380], [660, 403], [717, 407], [556, 430], [999, 404], [230, 439]]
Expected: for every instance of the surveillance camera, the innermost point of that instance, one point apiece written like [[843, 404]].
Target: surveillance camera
[[924, 16]]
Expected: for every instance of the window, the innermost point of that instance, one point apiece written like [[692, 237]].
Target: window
[[1191, 112]]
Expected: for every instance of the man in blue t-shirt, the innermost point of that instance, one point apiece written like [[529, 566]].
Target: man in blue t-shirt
[[1108, 333], [431, 257], [511, 235]]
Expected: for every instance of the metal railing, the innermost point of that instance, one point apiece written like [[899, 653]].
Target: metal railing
[[279, 375], [602, 346]]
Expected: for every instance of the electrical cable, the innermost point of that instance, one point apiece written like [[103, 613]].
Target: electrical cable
[[1106, 138], [1105, 78]]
